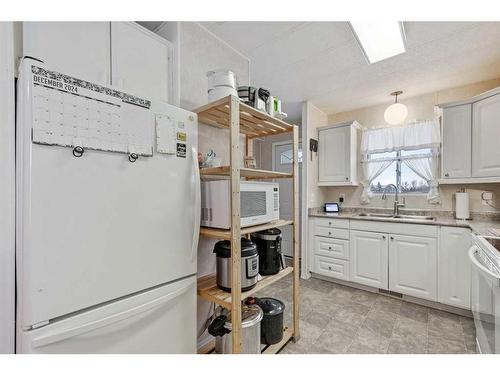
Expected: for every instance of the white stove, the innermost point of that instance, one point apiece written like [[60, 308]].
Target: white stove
[[485, 292]]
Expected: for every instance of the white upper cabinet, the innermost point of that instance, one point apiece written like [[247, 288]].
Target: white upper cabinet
[[456, 155], [454, 276], [337, 154], [413, 266], [80, 49], [123, 54], [139, 61], [471, 130], [485, 137], [369, 259]]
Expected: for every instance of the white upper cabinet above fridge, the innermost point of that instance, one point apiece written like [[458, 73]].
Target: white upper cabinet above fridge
[[123, 54], [337, 154], [79, 49], [139, 61]]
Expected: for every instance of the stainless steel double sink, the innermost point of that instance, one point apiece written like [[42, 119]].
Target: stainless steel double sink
[[399, 217]]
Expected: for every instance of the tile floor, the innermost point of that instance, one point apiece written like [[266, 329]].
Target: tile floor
[[339, 319]]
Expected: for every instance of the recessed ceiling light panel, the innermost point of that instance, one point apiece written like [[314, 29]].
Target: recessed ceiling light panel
[[380, 40]]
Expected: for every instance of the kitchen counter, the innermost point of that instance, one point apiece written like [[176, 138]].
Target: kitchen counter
[[479, 224]]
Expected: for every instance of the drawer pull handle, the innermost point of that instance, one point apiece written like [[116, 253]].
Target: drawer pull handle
[[329, 233], [329, 223]]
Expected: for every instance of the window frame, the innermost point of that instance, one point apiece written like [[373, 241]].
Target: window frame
[[399, 160]]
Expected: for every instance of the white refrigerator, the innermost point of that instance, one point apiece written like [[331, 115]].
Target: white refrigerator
[[107, 219]]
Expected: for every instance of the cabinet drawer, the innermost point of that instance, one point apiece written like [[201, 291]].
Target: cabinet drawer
[[331, 247], [332, 232], [337, 268], [332, 223]]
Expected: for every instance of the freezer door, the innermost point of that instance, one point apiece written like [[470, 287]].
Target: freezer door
[[162, 320], [98, 227]]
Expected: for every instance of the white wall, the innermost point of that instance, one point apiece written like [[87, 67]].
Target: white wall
[[312, 195], [312, 119], [7, 189], [199, 51], [419, 107]]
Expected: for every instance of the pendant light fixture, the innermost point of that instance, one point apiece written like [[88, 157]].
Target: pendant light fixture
[[396, 113]]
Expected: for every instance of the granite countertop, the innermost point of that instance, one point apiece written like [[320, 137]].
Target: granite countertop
[[479, 224]]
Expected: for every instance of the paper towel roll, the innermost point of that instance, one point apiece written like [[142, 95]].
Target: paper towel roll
[[462, 205]]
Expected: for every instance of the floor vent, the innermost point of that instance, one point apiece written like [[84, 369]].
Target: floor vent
[[389, 293]]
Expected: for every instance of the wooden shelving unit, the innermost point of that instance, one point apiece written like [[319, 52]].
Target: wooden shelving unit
[[207, 288], [229, 113], [248, 173], [225, 234]]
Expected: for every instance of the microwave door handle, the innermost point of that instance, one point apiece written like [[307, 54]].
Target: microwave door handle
[[197, 204], [492, 275]]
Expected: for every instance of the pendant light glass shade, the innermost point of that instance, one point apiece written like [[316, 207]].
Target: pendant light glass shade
[[396, 113]]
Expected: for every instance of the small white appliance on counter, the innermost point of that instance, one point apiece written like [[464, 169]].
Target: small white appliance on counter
[[484, 256], [107, 214], [259, 203]]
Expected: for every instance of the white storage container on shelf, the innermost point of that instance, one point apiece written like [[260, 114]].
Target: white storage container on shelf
[[221, 83]]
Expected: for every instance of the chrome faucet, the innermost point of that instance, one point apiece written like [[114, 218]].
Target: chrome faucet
[[396, 199]]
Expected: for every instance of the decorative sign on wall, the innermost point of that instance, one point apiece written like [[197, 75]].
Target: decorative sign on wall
[[68, 111]]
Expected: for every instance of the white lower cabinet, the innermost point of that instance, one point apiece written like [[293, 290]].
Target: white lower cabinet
[[454, 274], [337, 268], [369, 259], [402, 258], [332, 247], [413, 266]]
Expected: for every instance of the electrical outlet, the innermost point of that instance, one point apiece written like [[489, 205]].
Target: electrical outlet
[[486, 198]]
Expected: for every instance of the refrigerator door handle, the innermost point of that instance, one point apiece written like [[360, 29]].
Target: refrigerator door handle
[[90, 326], [197, 204]]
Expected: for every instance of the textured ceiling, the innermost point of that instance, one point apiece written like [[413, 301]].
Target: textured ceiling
[[322, 61]]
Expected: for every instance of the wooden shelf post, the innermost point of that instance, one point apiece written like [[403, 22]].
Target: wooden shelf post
[[235, 160], [296, 253]]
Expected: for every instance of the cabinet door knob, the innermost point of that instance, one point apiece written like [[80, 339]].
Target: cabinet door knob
[[447, 175], [347, 178], [330, 268], [329, 223], [329, 233], [329, 247], [383, 237], [392, 238]]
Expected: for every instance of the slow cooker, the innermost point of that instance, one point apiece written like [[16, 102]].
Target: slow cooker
[[249, 264]]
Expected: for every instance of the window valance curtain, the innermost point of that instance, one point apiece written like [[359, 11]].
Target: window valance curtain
[[421, 134], [418, 135]]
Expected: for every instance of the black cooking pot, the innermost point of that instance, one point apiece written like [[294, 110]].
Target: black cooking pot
[[271, 327]]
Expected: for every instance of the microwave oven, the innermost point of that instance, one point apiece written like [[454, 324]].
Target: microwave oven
[[259, 203]]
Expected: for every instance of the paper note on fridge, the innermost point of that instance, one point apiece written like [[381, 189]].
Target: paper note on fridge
[[166, 135]]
